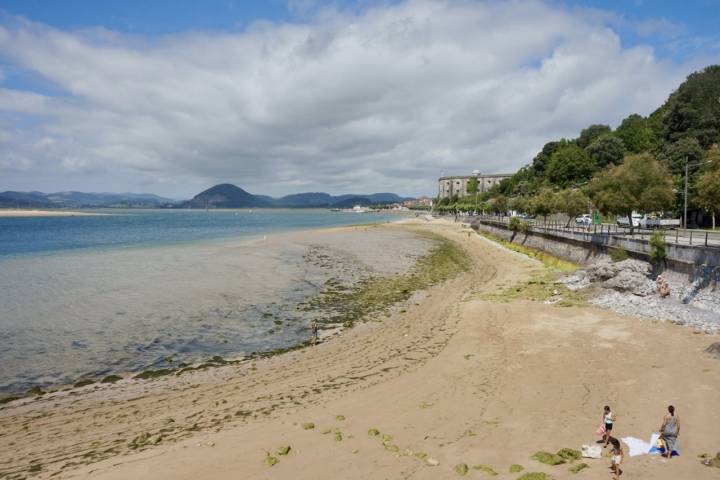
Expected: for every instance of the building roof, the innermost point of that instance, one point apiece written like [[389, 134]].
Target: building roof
[[482, 175]]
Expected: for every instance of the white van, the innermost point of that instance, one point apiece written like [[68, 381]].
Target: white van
[[623, 221]]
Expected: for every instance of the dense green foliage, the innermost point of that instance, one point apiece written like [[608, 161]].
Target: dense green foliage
[[572, 202], [686, 129], [640, 184], [544, 203], [693, 110], [606, 150], [569, 165], [708, 191], [472, 186]]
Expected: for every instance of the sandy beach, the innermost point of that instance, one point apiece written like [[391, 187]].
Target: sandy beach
[[449, 376], [45, 213]]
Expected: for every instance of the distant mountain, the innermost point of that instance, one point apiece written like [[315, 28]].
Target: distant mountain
[[79, 199], [385, 198], [226, 195], [321, 199], [352, 201], [311, 199], [11, 199]]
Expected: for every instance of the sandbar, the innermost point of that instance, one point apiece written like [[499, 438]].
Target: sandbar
[[46, 213]]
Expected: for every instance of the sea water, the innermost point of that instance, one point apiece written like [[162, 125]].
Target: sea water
[[136, 289]]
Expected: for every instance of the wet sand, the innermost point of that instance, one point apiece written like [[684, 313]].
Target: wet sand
[[74, 315], [456, 377]]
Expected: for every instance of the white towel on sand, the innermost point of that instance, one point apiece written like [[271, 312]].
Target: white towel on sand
[[636, 446]]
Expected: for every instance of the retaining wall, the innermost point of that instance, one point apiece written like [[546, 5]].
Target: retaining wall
[[582, 248]]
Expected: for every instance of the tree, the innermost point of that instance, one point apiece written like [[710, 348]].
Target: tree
[[708, 192], [571, 202], [472, 185], [640, 184], [518, 204], [693, 109], [499, 204], [569, 165], [636, 134], [543, 203], [592, 133], [606, 150], [676, 154], [541, 160]]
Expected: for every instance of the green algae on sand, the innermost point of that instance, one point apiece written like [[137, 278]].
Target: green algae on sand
[[373, 295], [535, 476], [548, 458], [570, 454], [485, 469], [461, 469], [150, 374], [83, 382], [516, 468]]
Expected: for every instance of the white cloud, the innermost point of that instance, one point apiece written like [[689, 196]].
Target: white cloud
[[378, 100], [659, 26]]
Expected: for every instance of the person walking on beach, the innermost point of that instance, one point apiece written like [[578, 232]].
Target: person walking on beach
[[313, 332], [608, 420], [670, 430], [617, 458]]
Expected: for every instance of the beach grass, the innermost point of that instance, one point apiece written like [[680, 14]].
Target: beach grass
[[542, 285], [546, 259]]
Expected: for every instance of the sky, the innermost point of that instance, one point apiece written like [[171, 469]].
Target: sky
[[346, 96]]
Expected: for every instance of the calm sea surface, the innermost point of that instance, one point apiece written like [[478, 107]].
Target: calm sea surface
[[134, 289], [124, 228]]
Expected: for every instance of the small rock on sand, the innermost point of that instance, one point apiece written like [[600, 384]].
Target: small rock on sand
[[714, 350]]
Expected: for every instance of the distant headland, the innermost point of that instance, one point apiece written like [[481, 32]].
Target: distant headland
[[224, 195]]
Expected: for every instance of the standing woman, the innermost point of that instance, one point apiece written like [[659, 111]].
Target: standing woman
[[608, 421], [670, 430]]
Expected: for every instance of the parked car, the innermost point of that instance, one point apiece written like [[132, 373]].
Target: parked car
[[623, 221], [584, 219]]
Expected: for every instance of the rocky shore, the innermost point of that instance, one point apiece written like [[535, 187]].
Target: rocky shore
[[627, 287]]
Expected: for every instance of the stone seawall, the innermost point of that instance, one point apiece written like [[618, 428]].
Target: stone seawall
[[582, 248]]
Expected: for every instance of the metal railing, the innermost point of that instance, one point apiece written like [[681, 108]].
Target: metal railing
[[677, 236]]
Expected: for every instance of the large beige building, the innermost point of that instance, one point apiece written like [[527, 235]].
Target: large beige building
[[449, 187]]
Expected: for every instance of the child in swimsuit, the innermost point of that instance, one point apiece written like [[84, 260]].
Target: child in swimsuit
[[608, 420], [617, 458]]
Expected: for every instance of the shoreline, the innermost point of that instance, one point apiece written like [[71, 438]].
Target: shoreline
[[14, 213], [322, 305], [449, 377]]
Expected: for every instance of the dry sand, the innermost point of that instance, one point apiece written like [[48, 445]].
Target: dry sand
[[45, 213], [459, 378]]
